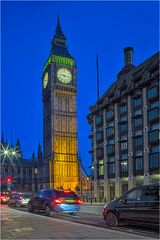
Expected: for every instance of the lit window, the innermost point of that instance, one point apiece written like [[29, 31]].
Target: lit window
[[100, 168], [152, 92], [137, 101], [124, 166]]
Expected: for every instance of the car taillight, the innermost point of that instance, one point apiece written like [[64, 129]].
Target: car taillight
[[58, 201], [2, 197], [78, 201]]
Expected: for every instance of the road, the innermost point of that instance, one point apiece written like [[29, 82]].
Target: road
[[20, 224]]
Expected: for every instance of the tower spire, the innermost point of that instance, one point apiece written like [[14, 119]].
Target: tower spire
[[59, 33]]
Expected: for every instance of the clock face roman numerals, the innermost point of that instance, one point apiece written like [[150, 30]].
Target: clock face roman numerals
[[45, 80], [64, 75]]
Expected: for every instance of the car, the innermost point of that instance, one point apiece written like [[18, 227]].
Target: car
[[138, 206], [55, 201], [4, 197], [19, 200]]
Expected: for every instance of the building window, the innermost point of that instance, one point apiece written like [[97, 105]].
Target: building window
[[124, 145], [154, 104], [109, 149], [99, 152], [111, 141], [152, 114], [123, 138], [137, 122], [154, 136], [124, 166], [155, 149], [109, 114], [123, 127], [100, 129], [138, 153], [137, 102], [111, 159], [138, 112], [110, 124], [152, 92], [154, 160], [138, 163], [98, 120], [155, 126], [123, 119], [138, 132], [111, 168], [109, 131], [122, 108], [100, 168], [124, 156], [98, 136], [138, 141]]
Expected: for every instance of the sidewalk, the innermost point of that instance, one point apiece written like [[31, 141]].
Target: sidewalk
[[93, 203]]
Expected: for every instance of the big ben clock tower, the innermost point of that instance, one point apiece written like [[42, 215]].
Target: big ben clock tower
[[60, 115]]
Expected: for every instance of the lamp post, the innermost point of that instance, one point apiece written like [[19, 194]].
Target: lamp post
[[92, 168]]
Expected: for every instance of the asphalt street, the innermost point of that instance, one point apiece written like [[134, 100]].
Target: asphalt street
[[20, 224]]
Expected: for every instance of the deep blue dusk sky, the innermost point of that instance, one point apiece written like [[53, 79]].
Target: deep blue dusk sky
[[90, 27]]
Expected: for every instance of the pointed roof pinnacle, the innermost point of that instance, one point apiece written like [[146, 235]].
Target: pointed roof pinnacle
[[59, 32]]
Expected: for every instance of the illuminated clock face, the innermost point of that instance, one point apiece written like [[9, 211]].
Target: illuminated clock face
[[64, 75], [45, 80]]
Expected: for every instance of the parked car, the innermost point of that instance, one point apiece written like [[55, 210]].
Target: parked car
[[19, 200], [138, 206], [55, 201]]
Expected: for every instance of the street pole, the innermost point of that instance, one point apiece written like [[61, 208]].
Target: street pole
[[91, 190]]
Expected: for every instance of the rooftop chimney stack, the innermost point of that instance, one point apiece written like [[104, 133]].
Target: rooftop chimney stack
[[128, 56]]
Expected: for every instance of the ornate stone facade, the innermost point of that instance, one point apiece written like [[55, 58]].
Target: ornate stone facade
[[60, 115]]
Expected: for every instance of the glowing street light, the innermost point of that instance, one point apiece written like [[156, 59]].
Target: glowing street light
[[6, 152], [13, 153]]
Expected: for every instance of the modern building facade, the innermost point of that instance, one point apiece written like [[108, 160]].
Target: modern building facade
[[125, 131], [59, 84]]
